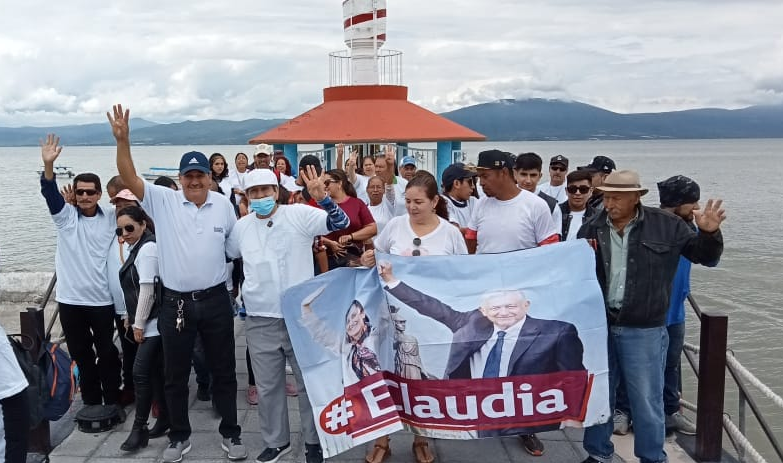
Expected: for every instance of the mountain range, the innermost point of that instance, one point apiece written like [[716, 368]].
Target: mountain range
[[502, 120]]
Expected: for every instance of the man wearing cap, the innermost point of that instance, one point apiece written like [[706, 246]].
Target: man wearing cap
[[275, 243], [637, 254], [458, 182], [599, 167], [555, 187], [262, 156], [407, 167], [85, 231], [191, 226], [508, 218]]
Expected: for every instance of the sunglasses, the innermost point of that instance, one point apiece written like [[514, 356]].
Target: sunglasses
[[417, 243], [127, 228], [81, 192], [467, 179], [558, 168], [582, 189]]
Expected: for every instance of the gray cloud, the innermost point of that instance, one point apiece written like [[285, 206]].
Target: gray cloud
[[180, 60]]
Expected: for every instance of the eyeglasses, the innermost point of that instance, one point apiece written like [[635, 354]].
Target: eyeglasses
[[558, 168], [81, 192], [416, 243], [582, 189], [467, 179], [127, 228]]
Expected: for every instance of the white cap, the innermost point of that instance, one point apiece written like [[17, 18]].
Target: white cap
[[260, 177], [263, 148]]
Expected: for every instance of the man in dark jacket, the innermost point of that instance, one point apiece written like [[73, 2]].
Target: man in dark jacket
[[637, 254]]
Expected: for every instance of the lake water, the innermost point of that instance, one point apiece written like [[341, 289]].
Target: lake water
[[746, 285]]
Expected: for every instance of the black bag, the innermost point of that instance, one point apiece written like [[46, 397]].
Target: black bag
[[34, 367]]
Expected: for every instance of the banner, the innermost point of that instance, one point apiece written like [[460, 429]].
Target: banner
[[453, 347]]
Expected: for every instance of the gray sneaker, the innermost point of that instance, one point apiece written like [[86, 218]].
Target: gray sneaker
[[175, 450], [680, 423], [235, 448], [622, 423]]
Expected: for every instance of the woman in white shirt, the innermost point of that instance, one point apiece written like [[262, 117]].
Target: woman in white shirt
[[138, 276], [423, 231], [381, 201]]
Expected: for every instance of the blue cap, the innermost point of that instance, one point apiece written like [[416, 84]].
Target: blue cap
[[193, 160], [407, 160]]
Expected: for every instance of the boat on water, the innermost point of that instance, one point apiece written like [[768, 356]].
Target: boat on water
[[154, 172], [60, 172]]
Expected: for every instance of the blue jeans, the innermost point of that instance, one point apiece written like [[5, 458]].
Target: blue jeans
[[639, 354]]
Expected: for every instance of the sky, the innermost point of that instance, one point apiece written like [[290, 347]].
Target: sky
[[68, 62]]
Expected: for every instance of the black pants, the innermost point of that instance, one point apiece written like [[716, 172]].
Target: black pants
[[16, 422], [86, 328], [148, 380], [200, 365], [128, 352], [213, 319]]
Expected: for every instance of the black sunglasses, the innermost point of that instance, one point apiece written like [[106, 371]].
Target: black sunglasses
[[582, 189], [128, 228], [81, 192], [558, 168], [417, 243]]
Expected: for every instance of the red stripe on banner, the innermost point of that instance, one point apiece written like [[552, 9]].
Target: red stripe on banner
[[364, 17], [375, 427]]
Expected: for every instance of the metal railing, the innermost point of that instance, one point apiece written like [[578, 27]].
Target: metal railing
[[389, 64], [714, 387]]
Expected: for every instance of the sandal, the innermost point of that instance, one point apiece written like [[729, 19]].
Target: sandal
[[421, 452], [378, 453]]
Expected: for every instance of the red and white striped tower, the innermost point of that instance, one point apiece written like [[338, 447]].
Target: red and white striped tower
[[364, 24]]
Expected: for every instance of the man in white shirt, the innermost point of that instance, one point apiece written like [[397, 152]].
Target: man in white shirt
[[527, 171], [275, 243], [408, 167], [555, 187], [458, 184], [191, 228], [85, 232], [262, 156], [576, 210]]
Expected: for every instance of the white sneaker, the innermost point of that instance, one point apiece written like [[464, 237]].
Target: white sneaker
[[175, 450], [622, 423], [680, 423]]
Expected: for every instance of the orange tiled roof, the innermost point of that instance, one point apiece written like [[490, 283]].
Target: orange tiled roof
[[365, 114]]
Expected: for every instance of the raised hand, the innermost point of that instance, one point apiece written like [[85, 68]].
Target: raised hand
[[308, 301], [391, 155], [68, 195], [340, 149], [314, 183], [50, 149], [385, 271], [119, 122], [709, 219]]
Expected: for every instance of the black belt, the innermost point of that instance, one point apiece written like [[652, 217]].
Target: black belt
[[199, 295]]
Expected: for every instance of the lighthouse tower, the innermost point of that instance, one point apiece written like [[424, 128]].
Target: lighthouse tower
[[364, 26]]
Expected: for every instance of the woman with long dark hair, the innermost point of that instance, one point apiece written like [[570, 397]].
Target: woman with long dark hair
[[138, 277], [424, 231], [219, 167]]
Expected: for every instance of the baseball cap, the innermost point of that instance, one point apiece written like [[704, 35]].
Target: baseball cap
[[678, 190], [559, 159], [263, 148], [494, 159], [260, 177], [310, 160], [456, 171], [406, 160], [600, 164], [193, 160], [125, 194]]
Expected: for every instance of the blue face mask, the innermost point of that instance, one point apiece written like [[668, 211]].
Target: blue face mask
[[263, 206]]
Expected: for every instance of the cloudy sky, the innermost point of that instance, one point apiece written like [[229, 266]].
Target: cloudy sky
[[172, 60]]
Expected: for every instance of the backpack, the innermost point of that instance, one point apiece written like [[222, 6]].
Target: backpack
[[51, 378], [61, 381], [34, 369]]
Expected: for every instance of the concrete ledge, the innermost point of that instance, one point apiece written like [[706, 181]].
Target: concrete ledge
[[18, 287]]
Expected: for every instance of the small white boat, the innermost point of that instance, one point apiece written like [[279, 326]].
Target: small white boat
[[154, 172], [60, 172]]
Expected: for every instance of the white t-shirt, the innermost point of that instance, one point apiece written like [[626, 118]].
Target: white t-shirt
[[275, 257], [80, 260], [12, 380], [146, 264], [192, 254], [384, 211], [360, 185], [399, 192], [575, 225], [557, 192], [397, 239], [460, 215], [237, 181], [518, 223]]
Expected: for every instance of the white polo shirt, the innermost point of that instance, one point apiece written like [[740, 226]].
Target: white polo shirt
[[191, 240], [518, 223], [80, 260], [276, 254], [460, 214]]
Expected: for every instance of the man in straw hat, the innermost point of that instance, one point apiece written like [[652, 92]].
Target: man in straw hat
[[637, 254]]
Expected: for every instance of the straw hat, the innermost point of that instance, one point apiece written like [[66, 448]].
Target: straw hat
[[623, 180]]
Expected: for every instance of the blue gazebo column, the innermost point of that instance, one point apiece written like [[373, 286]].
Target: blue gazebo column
[[329, 166], [443, 159], [291, 153]]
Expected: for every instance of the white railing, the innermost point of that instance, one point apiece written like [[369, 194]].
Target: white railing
[[389, 68]]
